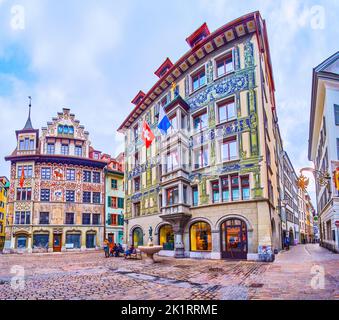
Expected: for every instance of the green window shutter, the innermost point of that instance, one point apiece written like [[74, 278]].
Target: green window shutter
[[109, 202], [120, 203], [109, 221]]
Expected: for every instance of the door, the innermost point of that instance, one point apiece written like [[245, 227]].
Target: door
[[234, 239], [57, 242]]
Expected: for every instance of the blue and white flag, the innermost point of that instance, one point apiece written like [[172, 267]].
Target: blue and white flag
[[164, 122]]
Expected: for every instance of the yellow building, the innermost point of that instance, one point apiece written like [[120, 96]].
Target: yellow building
[[4, 185]]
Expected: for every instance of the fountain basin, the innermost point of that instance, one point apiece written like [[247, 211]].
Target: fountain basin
[[150, 251]]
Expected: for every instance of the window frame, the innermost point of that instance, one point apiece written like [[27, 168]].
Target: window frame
[[223, 58], [197, 73]]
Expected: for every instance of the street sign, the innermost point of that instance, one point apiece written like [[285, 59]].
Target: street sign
[[337, 223]]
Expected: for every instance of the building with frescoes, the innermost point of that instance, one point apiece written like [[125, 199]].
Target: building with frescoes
[[114, 199], [56, 197], [324, 148], [208, 188], [4, 186]]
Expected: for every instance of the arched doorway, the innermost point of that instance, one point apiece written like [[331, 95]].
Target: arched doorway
[[166, 237], [200, 236], [233, 235], [138, 237]]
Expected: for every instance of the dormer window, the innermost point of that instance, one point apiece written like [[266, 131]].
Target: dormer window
[[199, 35], [162, 70], [198, 79], [26, 144]]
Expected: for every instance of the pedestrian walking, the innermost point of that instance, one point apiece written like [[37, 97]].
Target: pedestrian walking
[[287, 243], [106, 248]]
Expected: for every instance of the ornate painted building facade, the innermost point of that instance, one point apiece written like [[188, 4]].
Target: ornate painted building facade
[[114, 199], [56, 198], [209, 188], [4, 186]]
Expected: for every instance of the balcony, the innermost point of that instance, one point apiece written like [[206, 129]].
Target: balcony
[[174, 209], [26, 152]]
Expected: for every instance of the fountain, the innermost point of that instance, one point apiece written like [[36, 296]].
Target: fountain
[[150, 249]]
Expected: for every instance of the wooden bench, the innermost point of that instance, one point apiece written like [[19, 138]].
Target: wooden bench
[[137, 255]]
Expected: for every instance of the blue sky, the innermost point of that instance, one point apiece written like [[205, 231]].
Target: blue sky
[[94, 56]]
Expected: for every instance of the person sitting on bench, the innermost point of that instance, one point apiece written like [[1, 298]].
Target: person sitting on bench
[[130, 251]]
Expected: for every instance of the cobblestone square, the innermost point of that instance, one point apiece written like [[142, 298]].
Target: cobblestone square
[[91, 276]]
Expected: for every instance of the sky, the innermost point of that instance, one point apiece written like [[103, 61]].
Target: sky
[[94, 56]]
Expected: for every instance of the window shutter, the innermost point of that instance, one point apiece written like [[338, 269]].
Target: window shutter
[[109, 201], [109, 220]]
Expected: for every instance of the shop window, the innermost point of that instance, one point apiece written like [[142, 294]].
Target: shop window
[[40, 241], [90, 240], [201, 238], [166, 237], [73, 240], [21, 242]]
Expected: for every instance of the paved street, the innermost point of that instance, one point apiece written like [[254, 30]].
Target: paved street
[[91, 276]]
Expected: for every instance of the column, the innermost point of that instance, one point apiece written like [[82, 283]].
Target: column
[[50, 242], [29, 244], [216, 254], [83, 240]]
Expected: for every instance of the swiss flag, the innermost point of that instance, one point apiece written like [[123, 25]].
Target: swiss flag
[[147, 134], [22, 178]]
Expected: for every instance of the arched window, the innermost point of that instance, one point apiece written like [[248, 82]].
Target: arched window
[[166, 237], [233, 239], [138, 237], [200, 235]]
